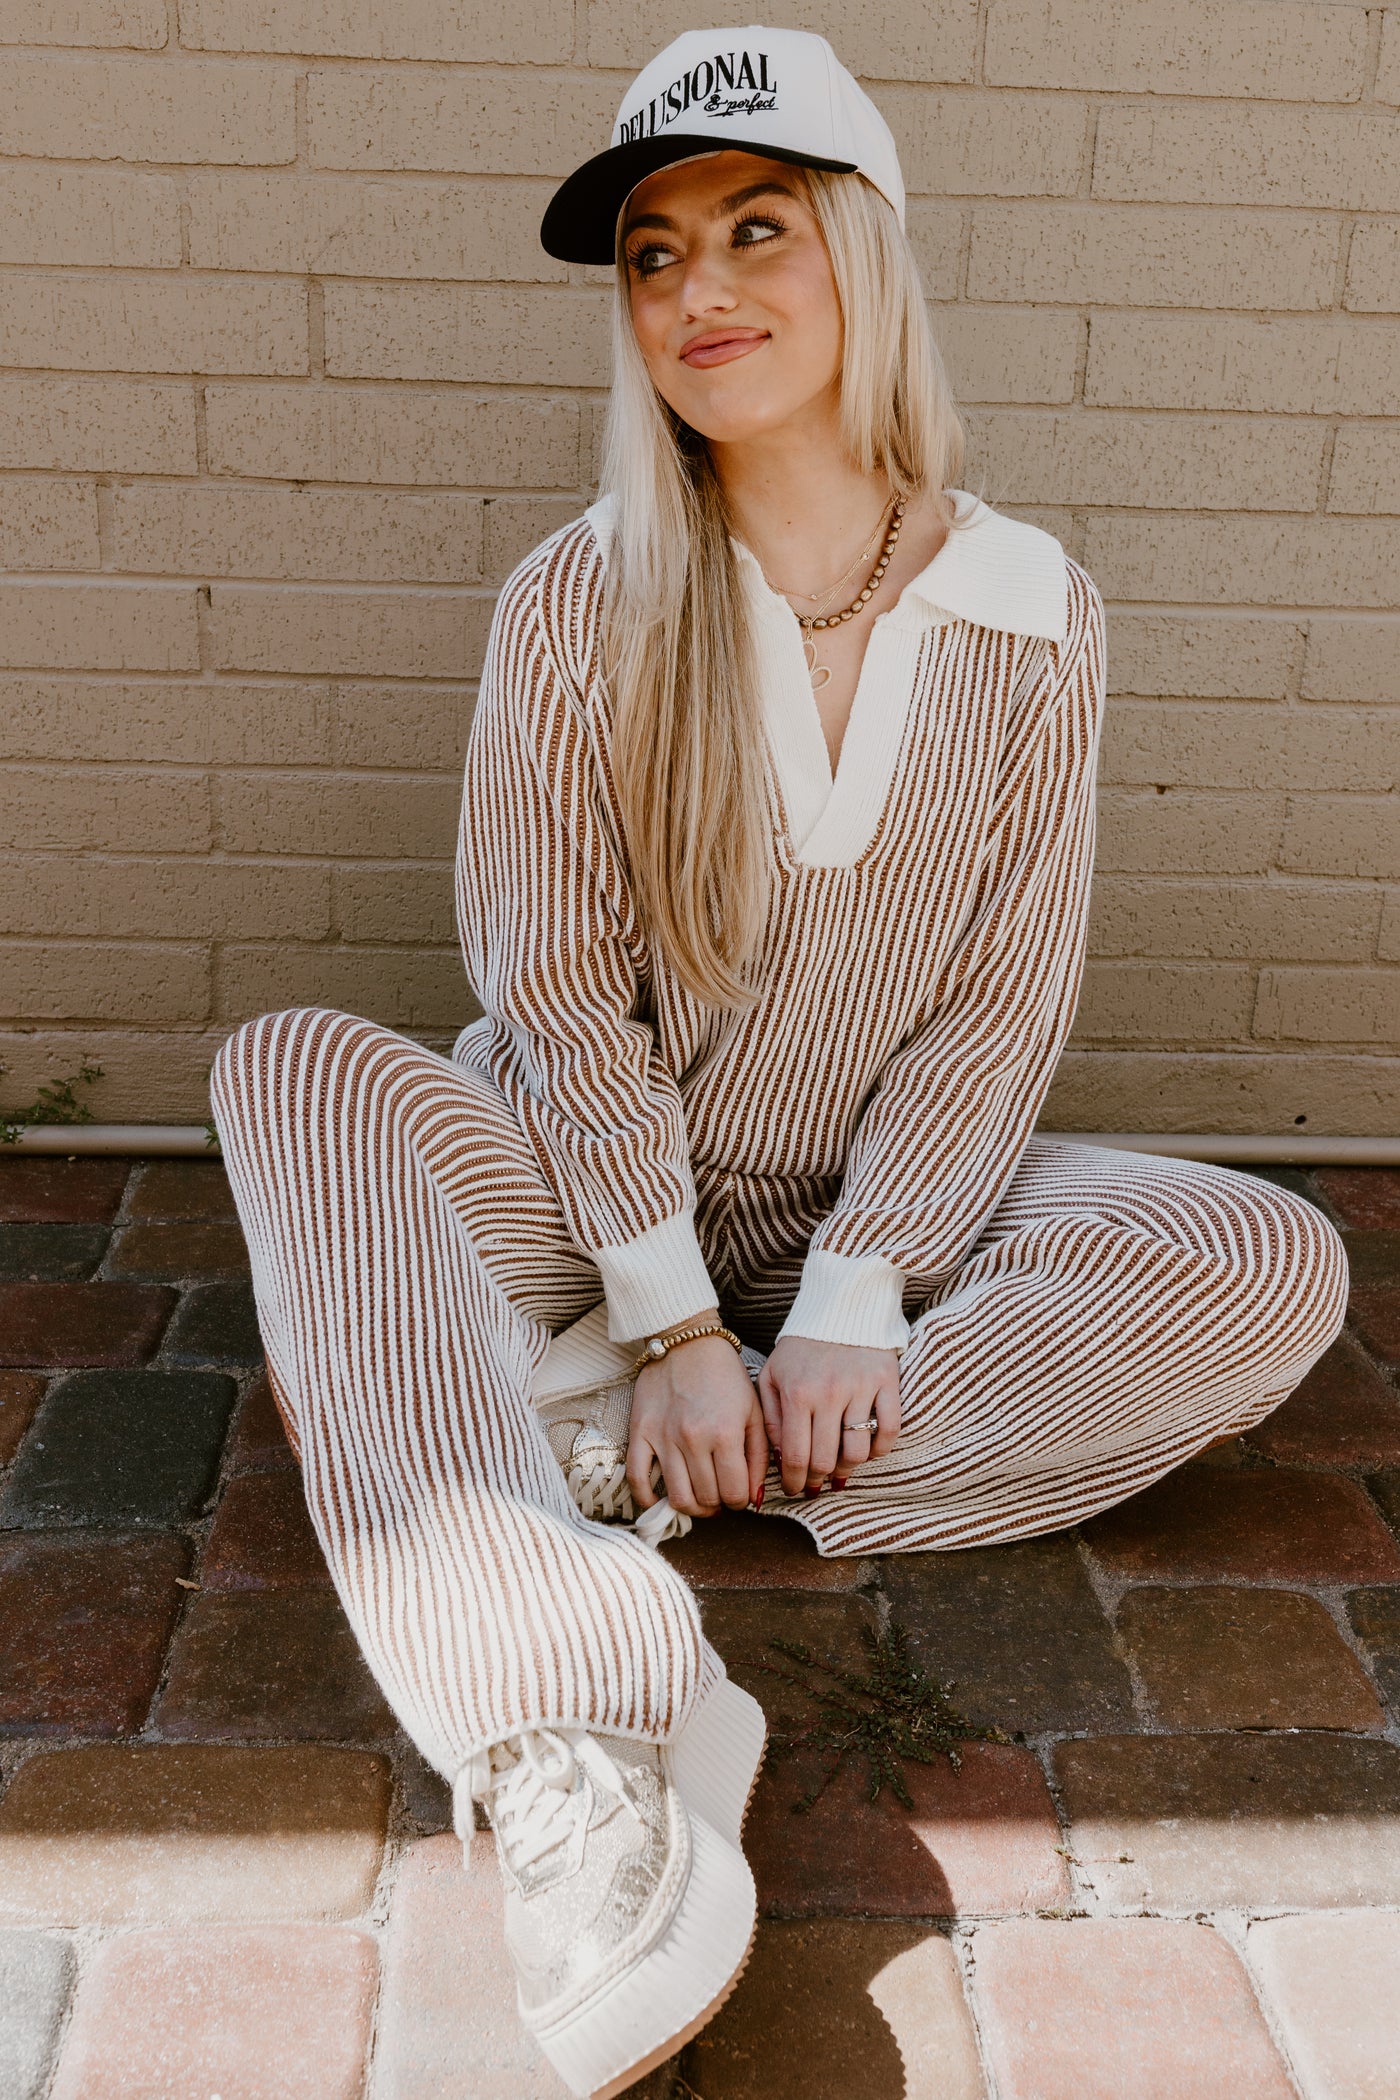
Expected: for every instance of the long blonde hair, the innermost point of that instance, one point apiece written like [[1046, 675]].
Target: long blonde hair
[[687, 739]]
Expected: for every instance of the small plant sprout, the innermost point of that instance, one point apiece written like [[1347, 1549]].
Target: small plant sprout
[[58, 1103], [891, 1714]]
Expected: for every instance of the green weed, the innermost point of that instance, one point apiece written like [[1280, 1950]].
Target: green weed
[[58, 1103], [890, 1715]]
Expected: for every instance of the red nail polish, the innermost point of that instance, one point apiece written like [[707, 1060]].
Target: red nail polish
[[758, 1498], [809, 1492], [841, 1483]]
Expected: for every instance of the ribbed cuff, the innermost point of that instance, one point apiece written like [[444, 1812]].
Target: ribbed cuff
[[656, 1280], [851, 1298]]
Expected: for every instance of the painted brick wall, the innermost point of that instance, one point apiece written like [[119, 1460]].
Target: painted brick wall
[[287, 385]]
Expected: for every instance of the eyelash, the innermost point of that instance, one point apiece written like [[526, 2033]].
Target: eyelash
[[636, 259], [760, 218]]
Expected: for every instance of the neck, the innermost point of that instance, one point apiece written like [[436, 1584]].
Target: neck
[[799, 502]]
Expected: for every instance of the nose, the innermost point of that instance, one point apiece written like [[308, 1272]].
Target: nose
[[706, 287]]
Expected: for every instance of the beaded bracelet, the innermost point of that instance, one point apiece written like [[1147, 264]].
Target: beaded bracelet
[[660, 1344]]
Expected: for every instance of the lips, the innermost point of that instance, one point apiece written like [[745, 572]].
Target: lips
[[722, 346]]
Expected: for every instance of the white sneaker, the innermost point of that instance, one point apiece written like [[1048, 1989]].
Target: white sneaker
[[628, 1917]]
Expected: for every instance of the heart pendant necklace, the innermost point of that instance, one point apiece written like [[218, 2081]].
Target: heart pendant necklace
[[820, 674], [815, 621]]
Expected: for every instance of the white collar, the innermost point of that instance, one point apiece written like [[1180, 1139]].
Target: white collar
[[997, 572], [992, 570]]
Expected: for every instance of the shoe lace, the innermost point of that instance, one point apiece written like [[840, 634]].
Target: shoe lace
[[599, 1487], [527, 1784]]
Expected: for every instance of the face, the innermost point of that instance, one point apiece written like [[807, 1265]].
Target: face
[[732, 296]]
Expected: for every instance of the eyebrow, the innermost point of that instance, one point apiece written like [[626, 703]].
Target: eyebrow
[[767, 188]]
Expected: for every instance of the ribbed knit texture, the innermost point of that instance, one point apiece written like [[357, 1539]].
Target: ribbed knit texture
[[915, 997], [1081, 1320]]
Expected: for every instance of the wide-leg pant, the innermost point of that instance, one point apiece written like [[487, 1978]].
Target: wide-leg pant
[[410, 1264]]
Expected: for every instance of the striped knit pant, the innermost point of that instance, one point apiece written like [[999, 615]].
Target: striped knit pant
[[410, 1264]]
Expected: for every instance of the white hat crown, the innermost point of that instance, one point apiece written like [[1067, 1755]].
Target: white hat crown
[[780, 92], [757, 88]]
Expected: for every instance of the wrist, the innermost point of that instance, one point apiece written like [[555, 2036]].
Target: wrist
[[662, 1334], [659, 1346]]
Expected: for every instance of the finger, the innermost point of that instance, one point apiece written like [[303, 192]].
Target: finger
[[826, 1440], [640, 1459], [855, 1449], [731, 1467], [796, 1447], [676, 1475], [771, 1401], [887, 1414], [704, 1488], [756, 1455]]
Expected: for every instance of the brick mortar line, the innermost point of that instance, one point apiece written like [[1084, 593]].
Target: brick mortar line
[[84, 1944], [979, 41], [134, 581], [581, 71], [101, 485], [963, 1942], [140, 479], [226, 673], [1332, 1597], [209, 275], [559, 394], [597, 276], [1237, 1932], [1372, 65]]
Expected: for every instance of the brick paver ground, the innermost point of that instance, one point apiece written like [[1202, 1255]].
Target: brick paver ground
[[223, 1870]]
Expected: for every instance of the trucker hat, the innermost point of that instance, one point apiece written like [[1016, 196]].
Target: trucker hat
[[779, 92]]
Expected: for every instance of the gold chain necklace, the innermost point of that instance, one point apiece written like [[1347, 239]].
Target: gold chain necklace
[[820, 598], [820, 674]]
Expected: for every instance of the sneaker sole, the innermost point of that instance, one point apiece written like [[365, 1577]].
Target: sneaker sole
[[670, 1994], [717, 1757], [677, 2042]]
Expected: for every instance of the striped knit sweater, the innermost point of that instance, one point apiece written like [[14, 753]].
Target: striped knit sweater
[[920, 960]]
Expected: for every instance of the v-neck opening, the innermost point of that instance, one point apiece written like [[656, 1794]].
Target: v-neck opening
[[989, 566], [833, 817]]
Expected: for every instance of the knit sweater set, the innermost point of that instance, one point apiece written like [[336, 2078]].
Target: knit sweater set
[[851, 1159]]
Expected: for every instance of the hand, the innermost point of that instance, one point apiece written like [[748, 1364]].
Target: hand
[[697, 1412], [809, 1391]]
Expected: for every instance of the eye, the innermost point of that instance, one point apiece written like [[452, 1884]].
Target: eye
[[648, 257], [756, 229]]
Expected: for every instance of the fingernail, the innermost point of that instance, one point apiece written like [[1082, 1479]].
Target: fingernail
[[840, 1483], [758, 1498], [809, 1492]]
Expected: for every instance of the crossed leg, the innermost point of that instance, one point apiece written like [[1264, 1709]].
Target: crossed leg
[[409, 1263], [1118, 1313]]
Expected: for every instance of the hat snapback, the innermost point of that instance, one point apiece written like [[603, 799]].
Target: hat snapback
[[779, 92]]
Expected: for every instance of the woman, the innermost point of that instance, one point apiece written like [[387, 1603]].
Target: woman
[[772, 882]]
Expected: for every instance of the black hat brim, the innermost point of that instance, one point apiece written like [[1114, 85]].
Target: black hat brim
[[580, 221]]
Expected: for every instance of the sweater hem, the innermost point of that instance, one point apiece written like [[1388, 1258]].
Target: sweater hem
[[856, 1299], [656, 1280]]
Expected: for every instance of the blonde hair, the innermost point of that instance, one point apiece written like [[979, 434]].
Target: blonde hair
[[687, 739]]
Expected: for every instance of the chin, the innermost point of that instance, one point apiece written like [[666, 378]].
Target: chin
[[733, 423], [738, 408]]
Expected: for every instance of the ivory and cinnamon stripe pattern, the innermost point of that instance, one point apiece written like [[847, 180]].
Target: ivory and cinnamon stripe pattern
[[1082, 1321], [383, 1190], [914, 998]]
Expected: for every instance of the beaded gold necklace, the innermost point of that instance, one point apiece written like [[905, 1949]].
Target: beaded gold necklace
[[815, 621]]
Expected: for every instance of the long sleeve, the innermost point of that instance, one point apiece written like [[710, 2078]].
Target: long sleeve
[[940, 1137], [552, 948]]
